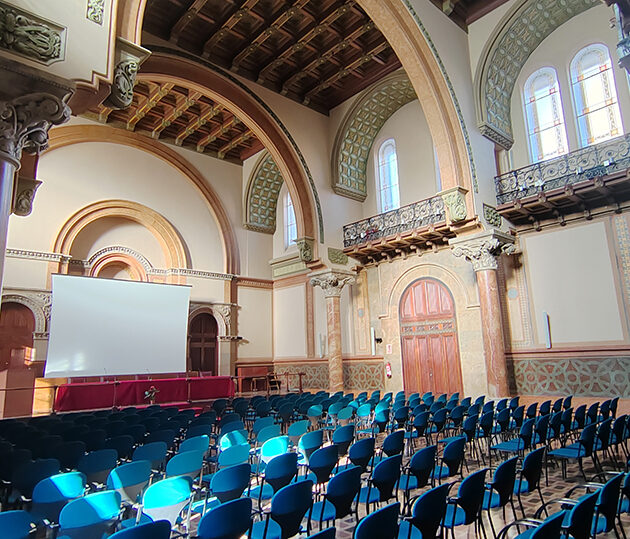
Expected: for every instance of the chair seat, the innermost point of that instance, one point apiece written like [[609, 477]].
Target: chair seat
[[511, 446], [210, 503], [264, 493], [625, 506], [455, 516], [273, 530], [131, 522], [573, 451], [440, 472], [373, 495], [404, 531], [323, 511], [449, 439], [491, 499], [408, 482], [411, 434], [521, 487]]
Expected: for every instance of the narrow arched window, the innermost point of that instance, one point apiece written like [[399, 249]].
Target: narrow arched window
[[545, 119], [595, 95], [387, 172], [290, 225]]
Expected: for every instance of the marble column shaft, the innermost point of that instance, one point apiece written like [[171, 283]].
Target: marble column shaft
[[7, 179], [335, 362]]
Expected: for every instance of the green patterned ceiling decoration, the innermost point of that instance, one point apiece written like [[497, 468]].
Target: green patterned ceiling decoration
[[518, 34], [263, 189], [359, 129]]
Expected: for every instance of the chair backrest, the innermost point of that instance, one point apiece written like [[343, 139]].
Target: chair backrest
[[422, 463], [361, 452], [274, 447], [96, 465], [16, 524], [323, 461], [309, 442], [94, 515], [382, 524], [28, 474], [130, 479], [230, 483], [551, 528], [154, 452], [290, 504], [267, 433], [608, 501], [429, 510], [532, 468], [261, 423], [587, 439], [51, 494], [470, 494], [188, 463], [152, 530], [580, 518], [233, 437], [394, 443], [342, 490], [385, 476], [195, 443], [237, 454], [229, 520], [504, 479], [453, 454], [281, 470], [603, 433], [526, 432], [166, 499]]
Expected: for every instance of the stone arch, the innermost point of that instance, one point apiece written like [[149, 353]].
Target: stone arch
[[197, 309], [164, 66], [522, 29], [261, 198], [359, 129], [41, 325], [175, 254], [75, 134], [138, 265]]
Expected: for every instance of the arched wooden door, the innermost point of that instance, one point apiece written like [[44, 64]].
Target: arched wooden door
[[430, 353], [202, 344]]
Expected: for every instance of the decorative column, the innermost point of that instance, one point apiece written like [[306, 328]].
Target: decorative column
[[332, 283], [482, 250], [29, 105]]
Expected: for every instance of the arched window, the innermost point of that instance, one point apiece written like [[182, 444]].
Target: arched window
[[595, 95], [545, 119], [290, 225], [387, 172]]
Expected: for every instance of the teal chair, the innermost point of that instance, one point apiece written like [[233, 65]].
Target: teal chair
[[130, 480], [94, 516]]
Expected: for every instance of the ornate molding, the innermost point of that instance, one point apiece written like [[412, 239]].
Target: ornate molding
[[482, 250], [305, 248], [492, 216], [25, 121], [95, 10], [25, 189], [101, 253], [455, 203], [31, 36], [332, 281], [520, 32], [128, 59], [38, 302], [37, 255], [261, 200], [337, 256]]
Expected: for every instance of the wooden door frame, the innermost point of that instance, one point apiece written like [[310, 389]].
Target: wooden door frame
[[188, 341]]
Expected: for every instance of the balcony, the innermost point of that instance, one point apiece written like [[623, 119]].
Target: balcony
[[416, 226], [580, 181]]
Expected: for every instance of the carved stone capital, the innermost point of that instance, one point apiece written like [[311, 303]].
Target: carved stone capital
[[305, 248], [455, 203], [482, 250], [25, 121], [128, 59], [332, 281], [25, 189]]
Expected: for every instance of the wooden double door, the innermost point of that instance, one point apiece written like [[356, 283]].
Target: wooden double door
[[428, 330]]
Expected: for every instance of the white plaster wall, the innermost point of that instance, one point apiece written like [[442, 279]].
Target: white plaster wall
[[577, 289], [289, 322], [416, 159], [22, 273], [206, 290], [320, 324], [255, 319], [557, 50]]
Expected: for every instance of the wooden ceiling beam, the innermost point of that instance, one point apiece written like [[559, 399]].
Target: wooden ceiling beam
[[181, 23], [346, 70], [236, 141], [314, 29], [217, 132], [235, 16], [327, 55], [183, 104], [268, 30], [148, 103], [195, 124], [255, 147]]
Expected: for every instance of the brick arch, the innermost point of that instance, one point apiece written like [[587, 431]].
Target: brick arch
[[75, 134], [261, 198], [359, 129], [522, 29]]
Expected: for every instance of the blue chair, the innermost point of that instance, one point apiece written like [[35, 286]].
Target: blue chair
[[428, 512], [123, 444], [418, 472], [225, 485], [321, 463], [577, 451], [385, 478], [154, 452], [328, 533], [237, 454], [308, 444], [96, 465], [17, 525], [361, 453], [451, 461], [393, 444], [288, 507], [51, 494], [296, 430], [188, 463], [551, 528], [195, 443], [279, 472], [577, 522], [160, 529], [94, 516], [382, 524], [69, 454], [500, 491], [520, 444], [529, 476], [130, 480], [230, 520], [340, 495], [342, 438], [28, 474], [465, 508]]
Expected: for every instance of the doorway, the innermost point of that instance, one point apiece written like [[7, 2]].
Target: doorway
[[202, 344], [428, 330]]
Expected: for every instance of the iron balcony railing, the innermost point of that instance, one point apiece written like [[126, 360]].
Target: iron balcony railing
[[598, 160], [413, 216]]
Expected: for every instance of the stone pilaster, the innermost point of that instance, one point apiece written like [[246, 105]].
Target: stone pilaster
[[482, 250], [332, 283]]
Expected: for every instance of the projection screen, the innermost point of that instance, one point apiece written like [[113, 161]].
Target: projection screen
[[107, 327]]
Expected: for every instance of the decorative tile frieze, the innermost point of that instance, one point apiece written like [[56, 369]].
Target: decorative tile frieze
[[37, 255], [363, 375], [95, 11], [262, 196]]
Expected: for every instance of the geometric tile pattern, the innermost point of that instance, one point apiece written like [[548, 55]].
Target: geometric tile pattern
[[359, 130], [315, 374], [584, 377], [357, 375], [262, 196], [623, 240], [528, 26]]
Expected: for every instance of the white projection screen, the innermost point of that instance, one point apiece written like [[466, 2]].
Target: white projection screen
[[108, 327]]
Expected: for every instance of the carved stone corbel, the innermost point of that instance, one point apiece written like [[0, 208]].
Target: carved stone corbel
[[25, 189], [128, 59], [455, 203], [305, 247], [482, 250]]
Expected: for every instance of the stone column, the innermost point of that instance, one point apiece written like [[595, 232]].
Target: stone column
[[332, 283], [482, 251], [29, 105]]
